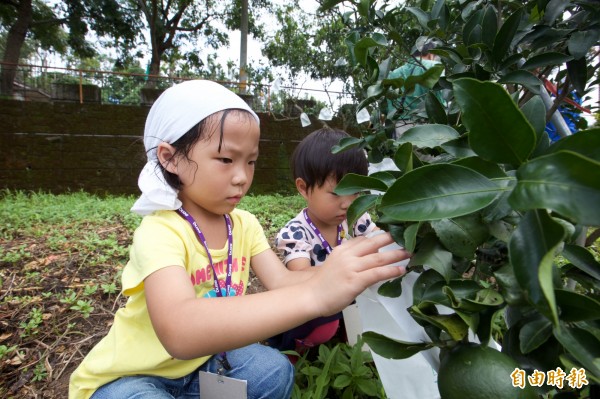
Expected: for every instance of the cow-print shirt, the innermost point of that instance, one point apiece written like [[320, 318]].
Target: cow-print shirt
[[298, 240]]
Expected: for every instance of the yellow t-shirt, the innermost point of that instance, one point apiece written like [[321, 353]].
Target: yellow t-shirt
[[163, 239]]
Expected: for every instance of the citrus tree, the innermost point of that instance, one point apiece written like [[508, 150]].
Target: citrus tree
[[496, 215]]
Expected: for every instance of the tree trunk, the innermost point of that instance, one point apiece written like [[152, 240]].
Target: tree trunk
[[154, 70], [14, 43], [243, 46]]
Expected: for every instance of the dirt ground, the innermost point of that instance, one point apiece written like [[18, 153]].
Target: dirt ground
[[37, 295]]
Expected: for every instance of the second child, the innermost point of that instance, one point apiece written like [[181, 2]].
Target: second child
[[308, 239]]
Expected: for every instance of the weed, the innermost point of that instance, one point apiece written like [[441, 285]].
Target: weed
[[7, 350], [39, 372], [34, 319], [90, 290], [18, 254], [84, 307], [341, 371], [69, 297], [109, 288]]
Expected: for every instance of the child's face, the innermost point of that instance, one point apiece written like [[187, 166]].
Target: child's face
[[324, 206], [214, 182]]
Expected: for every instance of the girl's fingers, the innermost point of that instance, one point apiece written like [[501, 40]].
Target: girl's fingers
[[379, 259], [377, 274], [362, 245]]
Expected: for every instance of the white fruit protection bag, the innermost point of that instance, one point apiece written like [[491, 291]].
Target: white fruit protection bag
[[412, 378]]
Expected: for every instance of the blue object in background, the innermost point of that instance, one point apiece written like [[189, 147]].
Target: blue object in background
[[569, 115]]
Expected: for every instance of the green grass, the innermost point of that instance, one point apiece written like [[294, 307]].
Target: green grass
[[61, 258], [33, 213]]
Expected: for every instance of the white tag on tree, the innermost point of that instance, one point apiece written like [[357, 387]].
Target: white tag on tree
[[363, 116], [305, 120], [276, 86], [325, 114]]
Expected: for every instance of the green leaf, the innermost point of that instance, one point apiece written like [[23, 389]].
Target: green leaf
[[485, 298], [582, 345], [451, 191], [462, 235], [403, 158], [342, 381], [582, 259], [472, 32], [451, 323], [435, 110], [346, 143], [391, 348], [533, 334], [509, 286], [546, 59], [391, 289], [577, 72], [489, 24], [546, 279], [421, 15], [328, 4], [423, 282], [577, 307], [459, 148], [585, 143], [427, 79], [410, 236], [363, 46], [523, 78], [386, 177], [490, 170], [535, 112], [428, 136], [580, 42], [431, 253], [506, 34], [353, 183], [358, 208], [536, 236], [498, 130], [564, 182], [363, 8]]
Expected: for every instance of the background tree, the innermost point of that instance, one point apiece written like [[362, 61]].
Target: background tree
[[178, 29], [61, 27], [309, 46]]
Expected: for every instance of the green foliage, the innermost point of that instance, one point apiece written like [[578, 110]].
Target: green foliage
[[338, 371], [30, 327], [485, 202]]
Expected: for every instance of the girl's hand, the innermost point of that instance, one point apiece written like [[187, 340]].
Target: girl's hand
[[351, 268]]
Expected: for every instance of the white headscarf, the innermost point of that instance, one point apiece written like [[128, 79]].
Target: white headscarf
[[173, 114]]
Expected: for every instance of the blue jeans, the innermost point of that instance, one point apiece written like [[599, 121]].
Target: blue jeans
[[268, 372]]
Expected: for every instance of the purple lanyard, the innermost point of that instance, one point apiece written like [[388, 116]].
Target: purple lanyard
[[224, 363], [202, 241], [318, 232]]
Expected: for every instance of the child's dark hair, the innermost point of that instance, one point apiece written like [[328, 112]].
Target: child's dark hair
[[313, 161], [201, 130]]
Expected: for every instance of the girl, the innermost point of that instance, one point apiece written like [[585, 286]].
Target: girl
[[307, 240], [187, 319]]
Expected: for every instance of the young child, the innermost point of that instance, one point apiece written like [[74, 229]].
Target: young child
[[187, 324], [309, 238]]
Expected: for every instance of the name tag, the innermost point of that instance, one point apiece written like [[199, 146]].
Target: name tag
[[215, 386]]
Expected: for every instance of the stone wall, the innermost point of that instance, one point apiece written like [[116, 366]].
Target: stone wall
[[59, 147]]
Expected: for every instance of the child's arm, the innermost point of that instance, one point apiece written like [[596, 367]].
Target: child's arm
[[273, 274], [189, 327], [299, 264]]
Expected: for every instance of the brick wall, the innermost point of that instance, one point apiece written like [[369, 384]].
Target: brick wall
[[60, 146]]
